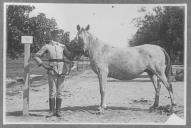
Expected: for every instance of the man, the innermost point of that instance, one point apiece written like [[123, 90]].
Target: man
[[56, 70]]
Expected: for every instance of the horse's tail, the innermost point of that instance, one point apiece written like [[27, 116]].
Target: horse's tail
[[168, 71]]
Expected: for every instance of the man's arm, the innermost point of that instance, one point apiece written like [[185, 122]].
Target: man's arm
[[39, 54]]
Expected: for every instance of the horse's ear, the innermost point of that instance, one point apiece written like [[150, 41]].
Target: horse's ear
[[88, 27], [78, 27]]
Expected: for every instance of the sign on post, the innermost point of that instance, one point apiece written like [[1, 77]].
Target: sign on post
[[27, 41]]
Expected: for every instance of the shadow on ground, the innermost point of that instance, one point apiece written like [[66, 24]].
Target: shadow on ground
[[91, 109], [129, 80]]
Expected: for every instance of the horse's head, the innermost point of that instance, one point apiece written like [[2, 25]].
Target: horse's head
[[75, 49], [83, 37]]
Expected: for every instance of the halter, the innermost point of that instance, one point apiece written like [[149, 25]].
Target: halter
[[85, 52]]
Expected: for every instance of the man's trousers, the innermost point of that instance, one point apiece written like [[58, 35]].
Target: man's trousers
[[56, 84]]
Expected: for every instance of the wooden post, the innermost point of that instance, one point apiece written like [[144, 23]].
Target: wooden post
[[83, 65], [77, 65], [26, 81], [27, 40]]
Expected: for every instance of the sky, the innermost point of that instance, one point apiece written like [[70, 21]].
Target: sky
[[111, 23]]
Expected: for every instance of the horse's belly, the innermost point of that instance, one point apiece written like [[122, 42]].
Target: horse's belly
[[123, 73], [122, 76]]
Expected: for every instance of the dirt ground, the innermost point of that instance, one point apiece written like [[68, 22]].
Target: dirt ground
[[127, 101]]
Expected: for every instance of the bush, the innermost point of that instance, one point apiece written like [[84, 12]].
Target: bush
[[179, 75]]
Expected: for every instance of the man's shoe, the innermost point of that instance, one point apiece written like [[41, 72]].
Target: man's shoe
[[52, 107], [58, 106]]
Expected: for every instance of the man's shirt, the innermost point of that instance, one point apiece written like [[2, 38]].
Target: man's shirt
[[54, 51]]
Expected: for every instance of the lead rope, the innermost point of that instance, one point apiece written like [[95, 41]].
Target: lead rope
[[56, 57], [62, 74]]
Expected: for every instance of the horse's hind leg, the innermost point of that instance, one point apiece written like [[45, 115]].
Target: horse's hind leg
[[168, 86], [157, 87]]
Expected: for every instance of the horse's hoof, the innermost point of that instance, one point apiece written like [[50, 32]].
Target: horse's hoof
[[152, 108], [100, 111], [172, 109], [174, 104]]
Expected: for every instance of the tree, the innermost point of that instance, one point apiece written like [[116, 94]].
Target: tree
[[65, 37], [39, 27], [164, 27], [17, 25]]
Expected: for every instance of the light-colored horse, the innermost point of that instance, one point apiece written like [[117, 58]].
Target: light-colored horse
[[126, 64]]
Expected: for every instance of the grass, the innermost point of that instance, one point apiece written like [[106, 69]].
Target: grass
[[15, 68]]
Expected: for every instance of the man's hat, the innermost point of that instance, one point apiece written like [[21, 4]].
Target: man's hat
[[54, 31]]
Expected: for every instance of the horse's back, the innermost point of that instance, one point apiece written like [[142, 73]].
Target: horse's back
[[148, 48], [154, 52]]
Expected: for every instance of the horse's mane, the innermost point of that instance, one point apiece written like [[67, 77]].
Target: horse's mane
[[95, 42]]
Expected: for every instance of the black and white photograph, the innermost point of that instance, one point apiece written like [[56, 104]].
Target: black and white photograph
[[88, 63]]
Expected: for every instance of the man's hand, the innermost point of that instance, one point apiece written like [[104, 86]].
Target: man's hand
[[47, 67], [72, 63]]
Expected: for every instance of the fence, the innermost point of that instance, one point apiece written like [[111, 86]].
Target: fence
[[82, 64]]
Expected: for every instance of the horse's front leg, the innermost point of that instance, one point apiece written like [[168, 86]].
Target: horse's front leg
[[102, 76]]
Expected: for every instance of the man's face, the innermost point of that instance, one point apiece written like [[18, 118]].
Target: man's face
[[55, 36]]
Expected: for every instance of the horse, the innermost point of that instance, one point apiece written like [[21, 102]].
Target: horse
[[127, 64]]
